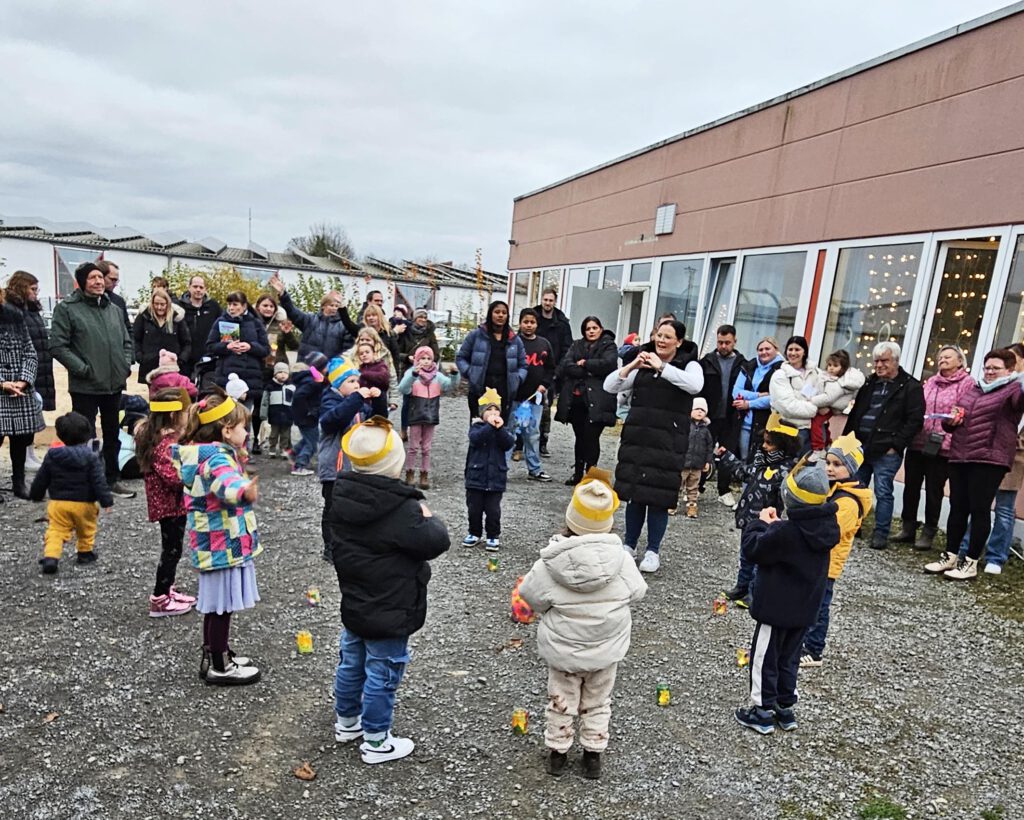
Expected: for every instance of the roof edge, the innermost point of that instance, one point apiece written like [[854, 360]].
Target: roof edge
[[919, 45]]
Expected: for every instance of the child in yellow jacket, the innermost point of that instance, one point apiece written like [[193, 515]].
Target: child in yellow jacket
[[853, 499]]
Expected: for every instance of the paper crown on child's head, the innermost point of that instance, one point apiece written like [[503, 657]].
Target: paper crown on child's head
[[777, 425], [339, 369], [848, 450], [490, 398], [208, 414], [806, 485], [593, 504], [183, 402], [374, 448]]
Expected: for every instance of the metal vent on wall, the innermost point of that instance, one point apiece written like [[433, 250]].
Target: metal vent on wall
[[664, 219]]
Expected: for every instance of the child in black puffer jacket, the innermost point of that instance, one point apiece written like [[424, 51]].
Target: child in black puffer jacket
[[700, 449], [762, 487], [73, 476]]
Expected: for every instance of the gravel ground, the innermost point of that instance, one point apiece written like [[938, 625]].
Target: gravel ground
[[916, 709]]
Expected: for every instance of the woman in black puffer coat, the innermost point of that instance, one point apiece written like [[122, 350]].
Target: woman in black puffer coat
[[582, 401], [664, 378], [23, 293], [238, 343]]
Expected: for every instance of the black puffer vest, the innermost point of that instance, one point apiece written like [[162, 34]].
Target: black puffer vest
[[654, 437]]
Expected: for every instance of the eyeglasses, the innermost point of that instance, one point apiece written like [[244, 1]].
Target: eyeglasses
[[886, 360], [993, 369]]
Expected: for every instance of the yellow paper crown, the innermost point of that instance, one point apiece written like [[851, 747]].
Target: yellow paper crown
[[172, 405], [849, 448], [593, 474], [371, 458], [490, 396], [777, 425], [218, 412], [799, 492]]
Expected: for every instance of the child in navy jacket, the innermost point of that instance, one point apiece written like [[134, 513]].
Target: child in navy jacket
[[486, 471], [308, 379], [792, 559]]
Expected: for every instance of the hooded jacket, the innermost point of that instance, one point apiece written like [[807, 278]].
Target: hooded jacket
[[583, 585], [337, 414], [33, 313], [941, 395], [599, 359], [486, 465], [248, 365], [836, 392], [762, 482], [320, 333], [150, 338], [72, 474], [198, 320], [88, 336], [424, 398], [382, 542], [221, 524], [164, 498], [853, 502], [474, 353], [988, 434], [786, 397], [700, 447], [169, 375], [413, 337], [792, 558], [306, 398], [899, 420]]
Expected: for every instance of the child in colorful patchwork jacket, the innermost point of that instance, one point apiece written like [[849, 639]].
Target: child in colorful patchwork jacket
[[221, 528], [423, 383]]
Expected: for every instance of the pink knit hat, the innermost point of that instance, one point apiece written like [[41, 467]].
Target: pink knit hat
[[424, 350]]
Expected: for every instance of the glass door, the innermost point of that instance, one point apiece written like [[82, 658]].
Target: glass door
[[719, 298], [631, 314], [963, 275]]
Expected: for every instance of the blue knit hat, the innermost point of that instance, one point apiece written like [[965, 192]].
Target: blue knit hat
[[339, 369]]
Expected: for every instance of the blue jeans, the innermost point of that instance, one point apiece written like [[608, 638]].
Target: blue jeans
[[309, 438], [998, 549], [531, 437], [744, 443], [883, 468], [814, 640], [657, 523], [367, 678]]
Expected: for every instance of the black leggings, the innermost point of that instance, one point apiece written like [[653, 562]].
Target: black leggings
[[172, 535], [972, 489], [587, 447], [19, 448], [932, 471], [215, 631]]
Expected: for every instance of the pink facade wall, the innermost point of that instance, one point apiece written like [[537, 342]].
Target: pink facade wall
[[933, 140]]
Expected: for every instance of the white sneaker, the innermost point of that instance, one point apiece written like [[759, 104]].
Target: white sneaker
[[344, 734], [233, 675], [993, 569], [947, 561], [32, 462], [808, 661], [965, 570], [727, 501], [651, 562], [390, 748]]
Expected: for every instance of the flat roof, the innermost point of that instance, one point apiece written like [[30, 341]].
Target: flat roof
[[955, 31]]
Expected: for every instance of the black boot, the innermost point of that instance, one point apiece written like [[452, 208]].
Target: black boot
[[556, 763], [544, 446], [18, 481], [591, 765], [908, 532], [577, 475], [925, 539]]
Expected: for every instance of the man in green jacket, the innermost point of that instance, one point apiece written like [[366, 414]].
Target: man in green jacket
[[89, 338]]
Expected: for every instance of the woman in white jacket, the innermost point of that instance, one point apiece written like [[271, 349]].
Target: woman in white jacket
[[791, 388], [583, 586]]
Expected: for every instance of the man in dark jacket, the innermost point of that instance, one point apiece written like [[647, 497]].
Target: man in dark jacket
[[382, 537], [721, 367], [201, 312], [886, 415], [792, 569], [554, 326], [111, 278], [89, 337]]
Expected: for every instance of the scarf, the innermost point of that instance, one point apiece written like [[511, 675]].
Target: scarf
[[988, 387], [427, 373]]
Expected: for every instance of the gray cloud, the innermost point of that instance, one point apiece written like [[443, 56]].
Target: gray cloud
[[414, 125]]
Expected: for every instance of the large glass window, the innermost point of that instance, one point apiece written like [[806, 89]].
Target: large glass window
[[716, 309], [613, 277], [551, 278], [640, 272], [521, 292], [679, 290], [1011, 318], [871, 298], [415, 296], [768, 296]]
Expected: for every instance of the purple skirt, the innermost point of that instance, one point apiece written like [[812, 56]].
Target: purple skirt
[[227, 590]]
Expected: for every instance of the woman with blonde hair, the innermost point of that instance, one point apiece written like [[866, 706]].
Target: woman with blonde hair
[[160, 326], [381, 352], [751, 394]]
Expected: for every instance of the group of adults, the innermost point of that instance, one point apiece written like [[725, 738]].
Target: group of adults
[[93, 337]]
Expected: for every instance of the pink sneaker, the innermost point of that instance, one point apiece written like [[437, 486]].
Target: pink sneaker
[[161, 606], [181, 597]]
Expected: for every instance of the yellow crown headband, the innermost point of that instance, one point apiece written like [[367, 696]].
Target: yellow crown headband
[[372, 458], [777, 425], [166, 406], [590, 513], [849, 445], [798, 492], [218, 412], [490, 396]]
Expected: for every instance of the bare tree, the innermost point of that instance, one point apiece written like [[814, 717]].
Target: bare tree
[[324, 237]]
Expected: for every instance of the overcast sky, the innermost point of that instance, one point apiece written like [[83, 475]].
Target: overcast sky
[[412, 124]]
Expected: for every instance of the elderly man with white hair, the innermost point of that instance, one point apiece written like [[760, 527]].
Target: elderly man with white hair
[[886, 415]]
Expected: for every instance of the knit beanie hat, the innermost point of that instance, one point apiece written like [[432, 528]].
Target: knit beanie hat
[[700, 404], [490, 398], [317, 362], [849, 451], [592, 507], [420, 312], [236, 387], [168, 357], [339, 369], [403, 310], [281, 367], [423, 350], [806, 485], [374, 448], [82, 273]]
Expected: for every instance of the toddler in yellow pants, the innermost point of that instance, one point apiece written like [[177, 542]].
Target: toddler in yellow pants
[[73, 476]]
